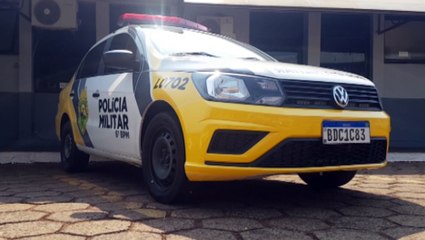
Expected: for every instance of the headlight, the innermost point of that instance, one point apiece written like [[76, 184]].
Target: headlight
[[223, 87], [239, 88]]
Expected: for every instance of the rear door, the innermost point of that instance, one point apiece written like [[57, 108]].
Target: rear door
[[81, 95]]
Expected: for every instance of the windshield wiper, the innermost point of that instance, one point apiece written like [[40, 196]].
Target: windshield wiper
[[251, 58], [179, 54]]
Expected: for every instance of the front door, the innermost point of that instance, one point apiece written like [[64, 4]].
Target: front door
[[115, 120]]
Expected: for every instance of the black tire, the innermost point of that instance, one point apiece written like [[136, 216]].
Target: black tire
[[163, 159], [327, 179], [72, 159]]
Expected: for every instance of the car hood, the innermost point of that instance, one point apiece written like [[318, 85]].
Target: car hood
[[258, 68]]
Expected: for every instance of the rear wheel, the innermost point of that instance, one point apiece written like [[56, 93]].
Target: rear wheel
[[327, 179], [163, 159], [72, 159]]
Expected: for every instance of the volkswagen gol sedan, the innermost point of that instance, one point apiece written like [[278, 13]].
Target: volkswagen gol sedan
[[188, 105]]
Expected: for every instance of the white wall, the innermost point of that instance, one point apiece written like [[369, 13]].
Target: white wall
[[9, 73]]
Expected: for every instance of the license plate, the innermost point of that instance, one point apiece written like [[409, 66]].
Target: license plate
[[336, 132]]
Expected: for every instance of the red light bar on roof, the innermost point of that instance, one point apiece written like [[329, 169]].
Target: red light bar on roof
[[133, 18]]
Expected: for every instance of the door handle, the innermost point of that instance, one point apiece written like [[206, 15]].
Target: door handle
[[96, 94]]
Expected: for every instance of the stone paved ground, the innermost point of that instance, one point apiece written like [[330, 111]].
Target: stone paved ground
[[39, 201]]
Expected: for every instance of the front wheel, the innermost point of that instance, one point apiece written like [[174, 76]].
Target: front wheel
[[327, 179], [163, 159]]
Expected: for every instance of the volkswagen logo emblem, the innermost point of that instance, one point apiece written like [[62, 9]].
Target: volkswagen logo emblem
[[340, 96]]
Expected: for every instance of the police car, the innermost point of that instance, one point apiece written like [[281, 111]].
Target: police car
[[188, 106]]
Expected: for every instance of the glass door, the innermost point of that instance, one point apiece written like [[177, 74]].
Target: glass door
[[346, 42]]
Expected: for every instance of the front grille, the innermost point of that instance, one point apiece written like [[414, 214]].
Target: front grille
[[303, 94], [313, 153]]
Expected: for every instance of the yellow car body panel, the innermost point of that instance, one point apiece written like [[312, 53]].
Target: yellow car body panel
[[65, 109], [200, 118]]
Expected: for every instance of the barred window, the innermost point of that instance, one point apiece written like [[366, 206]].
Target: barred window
[[404, 43]]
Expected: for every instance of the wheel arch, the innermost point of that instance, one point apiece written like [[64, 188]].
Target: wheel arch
[[64, 119], [154, 109]]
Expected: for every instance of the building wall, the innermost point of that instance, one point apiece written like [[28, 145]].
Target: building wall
[[15, 87], [403, 81], [402, 89], [29, 116], [403, 94]]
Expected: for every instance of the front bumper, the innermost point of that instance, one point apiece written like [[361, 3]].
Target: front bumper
[[203, 118], [304, 152]]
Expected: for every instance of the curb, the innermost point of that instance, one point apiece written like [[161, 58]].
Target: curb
[[406, 157], [29, 157]]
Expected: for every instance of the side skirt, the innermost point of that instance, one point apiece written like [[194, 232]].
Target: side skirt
[[109, 155]]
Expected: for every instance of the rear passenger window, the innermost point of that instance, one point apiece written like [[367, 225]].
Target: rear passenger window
[[90, 65]]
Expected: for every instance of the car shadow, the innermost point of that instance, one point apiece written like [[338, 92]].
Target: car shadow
[[371, 206]]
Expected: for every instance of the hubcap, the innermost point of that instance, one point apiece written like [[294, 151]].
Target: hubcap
[[163, 158]]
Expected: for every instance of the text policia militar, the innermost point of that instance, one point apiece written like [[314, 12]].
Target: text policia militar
[[113, 115]]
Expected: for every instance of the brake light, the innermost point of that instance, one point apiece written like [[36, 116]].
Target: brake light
[[133, 18]]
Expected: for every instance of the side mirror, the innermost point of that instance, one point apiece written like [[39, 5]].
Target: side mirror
[[119, 59]]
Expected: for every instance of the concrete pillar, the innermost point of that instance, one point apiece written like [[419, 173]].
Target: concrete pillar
[[25, 53], [25, 76], [378, 55], [314, 38], [102, 19]]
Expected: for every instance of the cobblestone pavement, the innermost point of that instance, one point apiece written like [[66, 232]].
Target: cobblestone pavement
[[39, 201]]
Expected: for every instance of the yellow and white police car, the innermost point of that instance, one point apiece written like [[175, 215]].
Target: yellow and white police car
[[188, 105]]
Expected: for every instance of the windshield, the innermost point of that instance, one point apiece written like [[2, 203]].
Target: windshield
[[182, 42]]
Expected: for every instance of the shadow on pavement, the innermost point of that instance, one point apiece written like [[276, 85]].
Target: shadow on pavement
[[110, 200], [401, 168]]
